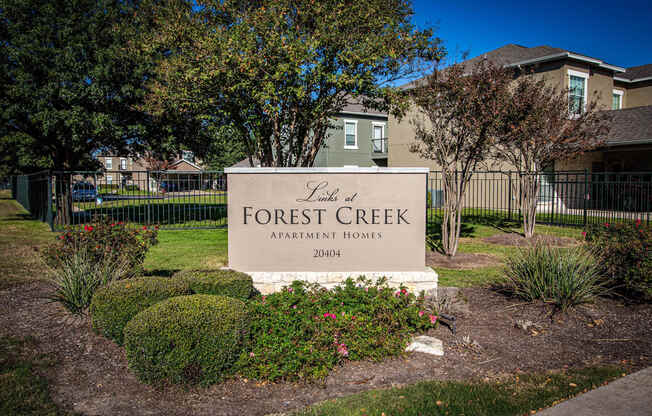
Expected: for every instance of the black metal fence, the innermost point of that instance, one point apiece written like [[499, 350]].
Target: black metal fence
[[574, 198], [187, 200], [169, 199]]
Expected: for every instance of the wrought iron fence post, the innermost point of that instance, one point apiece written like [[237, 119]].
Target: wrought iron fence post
[[50, 214], [147, 194], [585, 190]]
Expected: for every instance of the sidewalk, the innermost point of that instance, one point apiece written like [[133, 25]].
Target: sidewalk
[[628, 396]]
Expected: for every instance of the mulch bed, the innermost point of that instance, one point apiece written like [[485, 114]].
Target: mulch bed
[[91, 375], [461, 261], [518, 240]]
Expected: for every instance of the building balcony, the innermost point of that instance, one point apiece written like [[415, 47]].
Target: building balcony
[[379, 148]]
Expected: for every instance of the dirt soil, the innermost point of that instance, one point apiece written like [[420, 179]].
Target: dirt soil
[[91, 374], [461, 261], [518, 240]]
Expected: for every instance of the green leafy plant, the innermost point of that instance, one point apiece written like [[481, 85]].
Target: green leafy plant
[[305, 330], [563, 277], [625, 253], [113, 306], [218, 282], [104, 242], [79, 275], [186, 339]]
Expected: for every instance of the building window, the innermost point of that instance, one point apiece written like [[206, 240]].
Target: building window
[[108, 163], [123, 163], [617, 103], [350, 134], [378, 141], [577, 86], [109, 180]]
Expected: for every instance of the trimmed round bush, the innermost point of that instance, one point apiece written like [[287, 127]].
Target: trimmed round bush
[[113, 306], [223, 282], [187, 339]]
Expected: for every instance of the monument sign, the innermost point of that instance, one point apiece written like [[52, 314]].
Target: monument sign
[[326, 224]]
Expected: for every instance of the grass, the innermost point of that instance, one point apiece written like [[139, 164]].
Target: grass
[[19, 236], [516, 395], [23, 391], [188, 249]]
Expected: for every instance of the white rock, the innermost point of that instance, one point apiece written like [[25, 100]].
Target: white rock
[[426, 345]]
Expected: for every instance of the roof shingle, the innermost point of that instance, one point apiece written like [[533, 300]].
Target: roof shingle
[[631, 126]]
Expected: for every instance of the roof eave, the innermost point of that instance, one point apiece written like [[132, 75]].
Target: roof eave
[[633, 80], [563, 55]]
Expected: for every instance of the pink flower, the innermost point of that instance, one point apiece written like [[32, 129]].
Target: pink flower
[[433, 319], [341, 349], [144, 228], [606, 224], [294, 306], [638, 222], [403, 291], [584, 234], [421, 313], [252, 355], [264, 297], [290, 290], [61, 237], [330, 315], [366, 289]]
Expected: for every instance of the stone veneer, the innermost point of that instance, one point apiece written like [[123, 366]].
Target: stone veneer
[[269, 282]]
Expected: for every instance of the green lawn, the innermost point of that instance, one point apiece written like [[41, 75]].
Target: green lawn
[[513, 396]]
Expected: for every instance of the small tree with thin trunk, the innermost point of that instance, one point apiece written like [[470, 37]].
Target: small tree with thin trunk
[[459, 118], [542, 126]]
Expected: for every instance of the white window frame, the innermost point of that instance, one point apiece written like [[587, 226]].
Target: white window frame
[[108, 162], [355, 123], [585, 76], [620, 94], [123, 161], [375, 124]]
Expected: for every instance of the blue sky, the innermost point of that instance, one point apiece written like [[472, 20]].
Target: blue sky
[[620, 33]]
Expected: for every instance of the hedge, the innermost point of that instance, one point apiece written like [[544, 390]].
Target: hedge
[[186, 339], [223, 282], [113, 306]]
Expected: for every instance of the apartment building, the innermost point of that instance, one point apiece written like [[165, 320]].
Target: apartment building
[[625, 91]]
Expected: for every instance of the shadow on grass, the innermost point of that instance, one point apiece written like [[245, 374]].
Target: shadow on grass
[[433, 235], [160, 272]]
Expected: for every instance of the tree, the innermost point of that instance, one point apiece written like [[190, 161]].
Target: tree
[[541, 128], [279, 71], [459, 117], [68, 85]]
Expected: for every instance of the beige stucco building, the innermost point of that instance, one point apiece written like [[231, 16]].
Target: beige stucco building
[[627, 91]]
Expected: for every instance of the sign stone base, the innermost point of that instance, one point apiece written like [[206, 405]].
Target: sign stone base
[[415, 281]]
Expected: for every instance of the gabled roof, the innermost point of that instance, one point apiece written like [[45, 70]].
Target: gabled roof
[[355, 106], [513, 55], [631, 126], [636, 74], [176, 164]]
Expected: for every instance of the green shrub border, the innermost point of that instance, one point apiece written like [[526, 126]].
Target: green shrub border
[[223, 282]]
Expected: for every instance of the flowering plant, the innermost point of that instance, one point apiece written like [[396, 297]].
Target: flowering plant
[[105, 242], [625, 251], [305, 330]]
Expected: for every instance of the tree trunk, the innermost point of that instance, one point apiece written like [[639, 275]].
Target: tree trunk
[[529, 197], [63, 197], [452, 220]]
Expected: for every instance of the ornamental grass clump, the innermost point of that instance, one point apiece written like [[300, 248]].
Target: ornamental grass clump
[[79, 275], [186, 339], [304, 330], [563, 277]]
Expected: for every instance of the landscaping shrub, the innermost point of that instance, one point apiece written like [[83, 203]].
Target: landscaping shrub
[[305, 330], [218, 282], [564, 277], [186, 339], [79, 275], [625, 253], [113, 306], [105, 242]]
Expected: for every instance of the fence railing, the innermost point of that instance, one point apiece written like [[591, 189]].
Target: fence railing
[[574, 198], [169, 199], [187, 200]]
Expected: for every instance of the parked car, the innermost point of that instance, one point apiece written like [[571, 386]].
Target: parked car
[[166, 186], [83, 191]]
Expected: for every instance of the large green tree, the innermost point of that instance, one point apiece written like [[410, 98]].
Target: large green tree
[[278, 71]]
